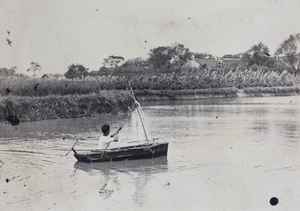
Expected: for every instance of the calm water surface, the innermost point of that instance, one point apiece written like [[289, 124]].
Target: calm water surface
[[232, 154]]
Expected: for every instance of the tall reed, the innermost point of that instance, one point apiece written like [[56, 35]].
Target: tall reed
[[187, 79]]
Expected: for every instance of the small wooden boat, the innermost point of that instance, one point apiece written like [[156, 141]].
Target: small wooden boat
[[157, 164], [150, 149], [141, 151]]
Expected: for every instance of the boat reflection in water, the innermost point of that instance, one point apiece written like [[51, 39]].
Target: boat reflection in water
[[110, 178]]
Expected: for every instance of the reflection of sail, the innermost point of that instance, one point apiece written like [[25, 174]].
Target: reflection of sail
[[141, 182]]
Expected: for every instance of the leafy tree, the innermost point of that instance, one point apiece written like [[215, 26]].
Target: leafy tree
[[76, 70], [34, 66], [159, 56], [289, 51], [203, 56], [113, 61], [258, 55], [8, 72], [180, 54], [175, 55], [135, 62]]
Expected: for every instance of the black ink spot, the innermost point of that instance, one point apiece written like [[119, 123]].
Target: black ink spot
[[145, 41], [290, 101], [64, 138], [7, 90], [66, 85], [267, 54], [9, 42], [274, 201], [189, 18], [217, 117], [14, 120], [7, 180]]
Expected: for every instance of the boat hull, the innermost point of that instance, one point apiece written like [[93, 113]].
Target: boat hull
[[149, 150]]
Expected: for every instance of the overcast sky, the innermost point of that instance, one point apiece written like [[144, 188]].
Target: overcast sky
[[57, 33]]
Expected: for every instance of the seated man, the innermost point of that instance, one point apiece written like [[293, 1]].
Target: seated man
[[105, 139]]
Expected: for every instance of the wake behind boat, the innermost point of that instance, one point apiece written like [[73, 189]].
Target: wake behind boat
[[148, 149]]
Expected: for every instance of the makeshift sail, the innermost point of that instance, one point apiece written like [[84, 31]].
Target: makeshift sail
[[141, 124], [141, 118]]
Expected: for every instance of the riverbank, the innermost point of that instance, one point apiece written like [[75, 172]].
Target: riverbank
[[15, 109], [157, 95]]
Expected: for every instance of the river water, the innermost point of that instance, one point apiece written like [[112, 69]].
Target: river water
[[224, 154]]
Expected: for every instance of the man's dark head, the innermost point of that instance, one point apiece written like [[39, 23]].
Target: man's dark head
[[105, 129]]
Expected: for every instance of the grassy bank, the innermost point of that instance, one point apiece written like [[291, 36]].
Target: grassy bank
[[68, 106], [271, 91], [156, 95], [150, 95], [32, 99], [114, 101]]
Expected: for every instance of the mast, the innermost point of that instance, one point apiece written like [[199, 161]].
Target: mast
[[139, 113]]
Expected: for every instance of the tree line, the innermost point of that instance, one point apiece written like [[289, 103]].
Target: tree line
[[170, 58], [173, 58]]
